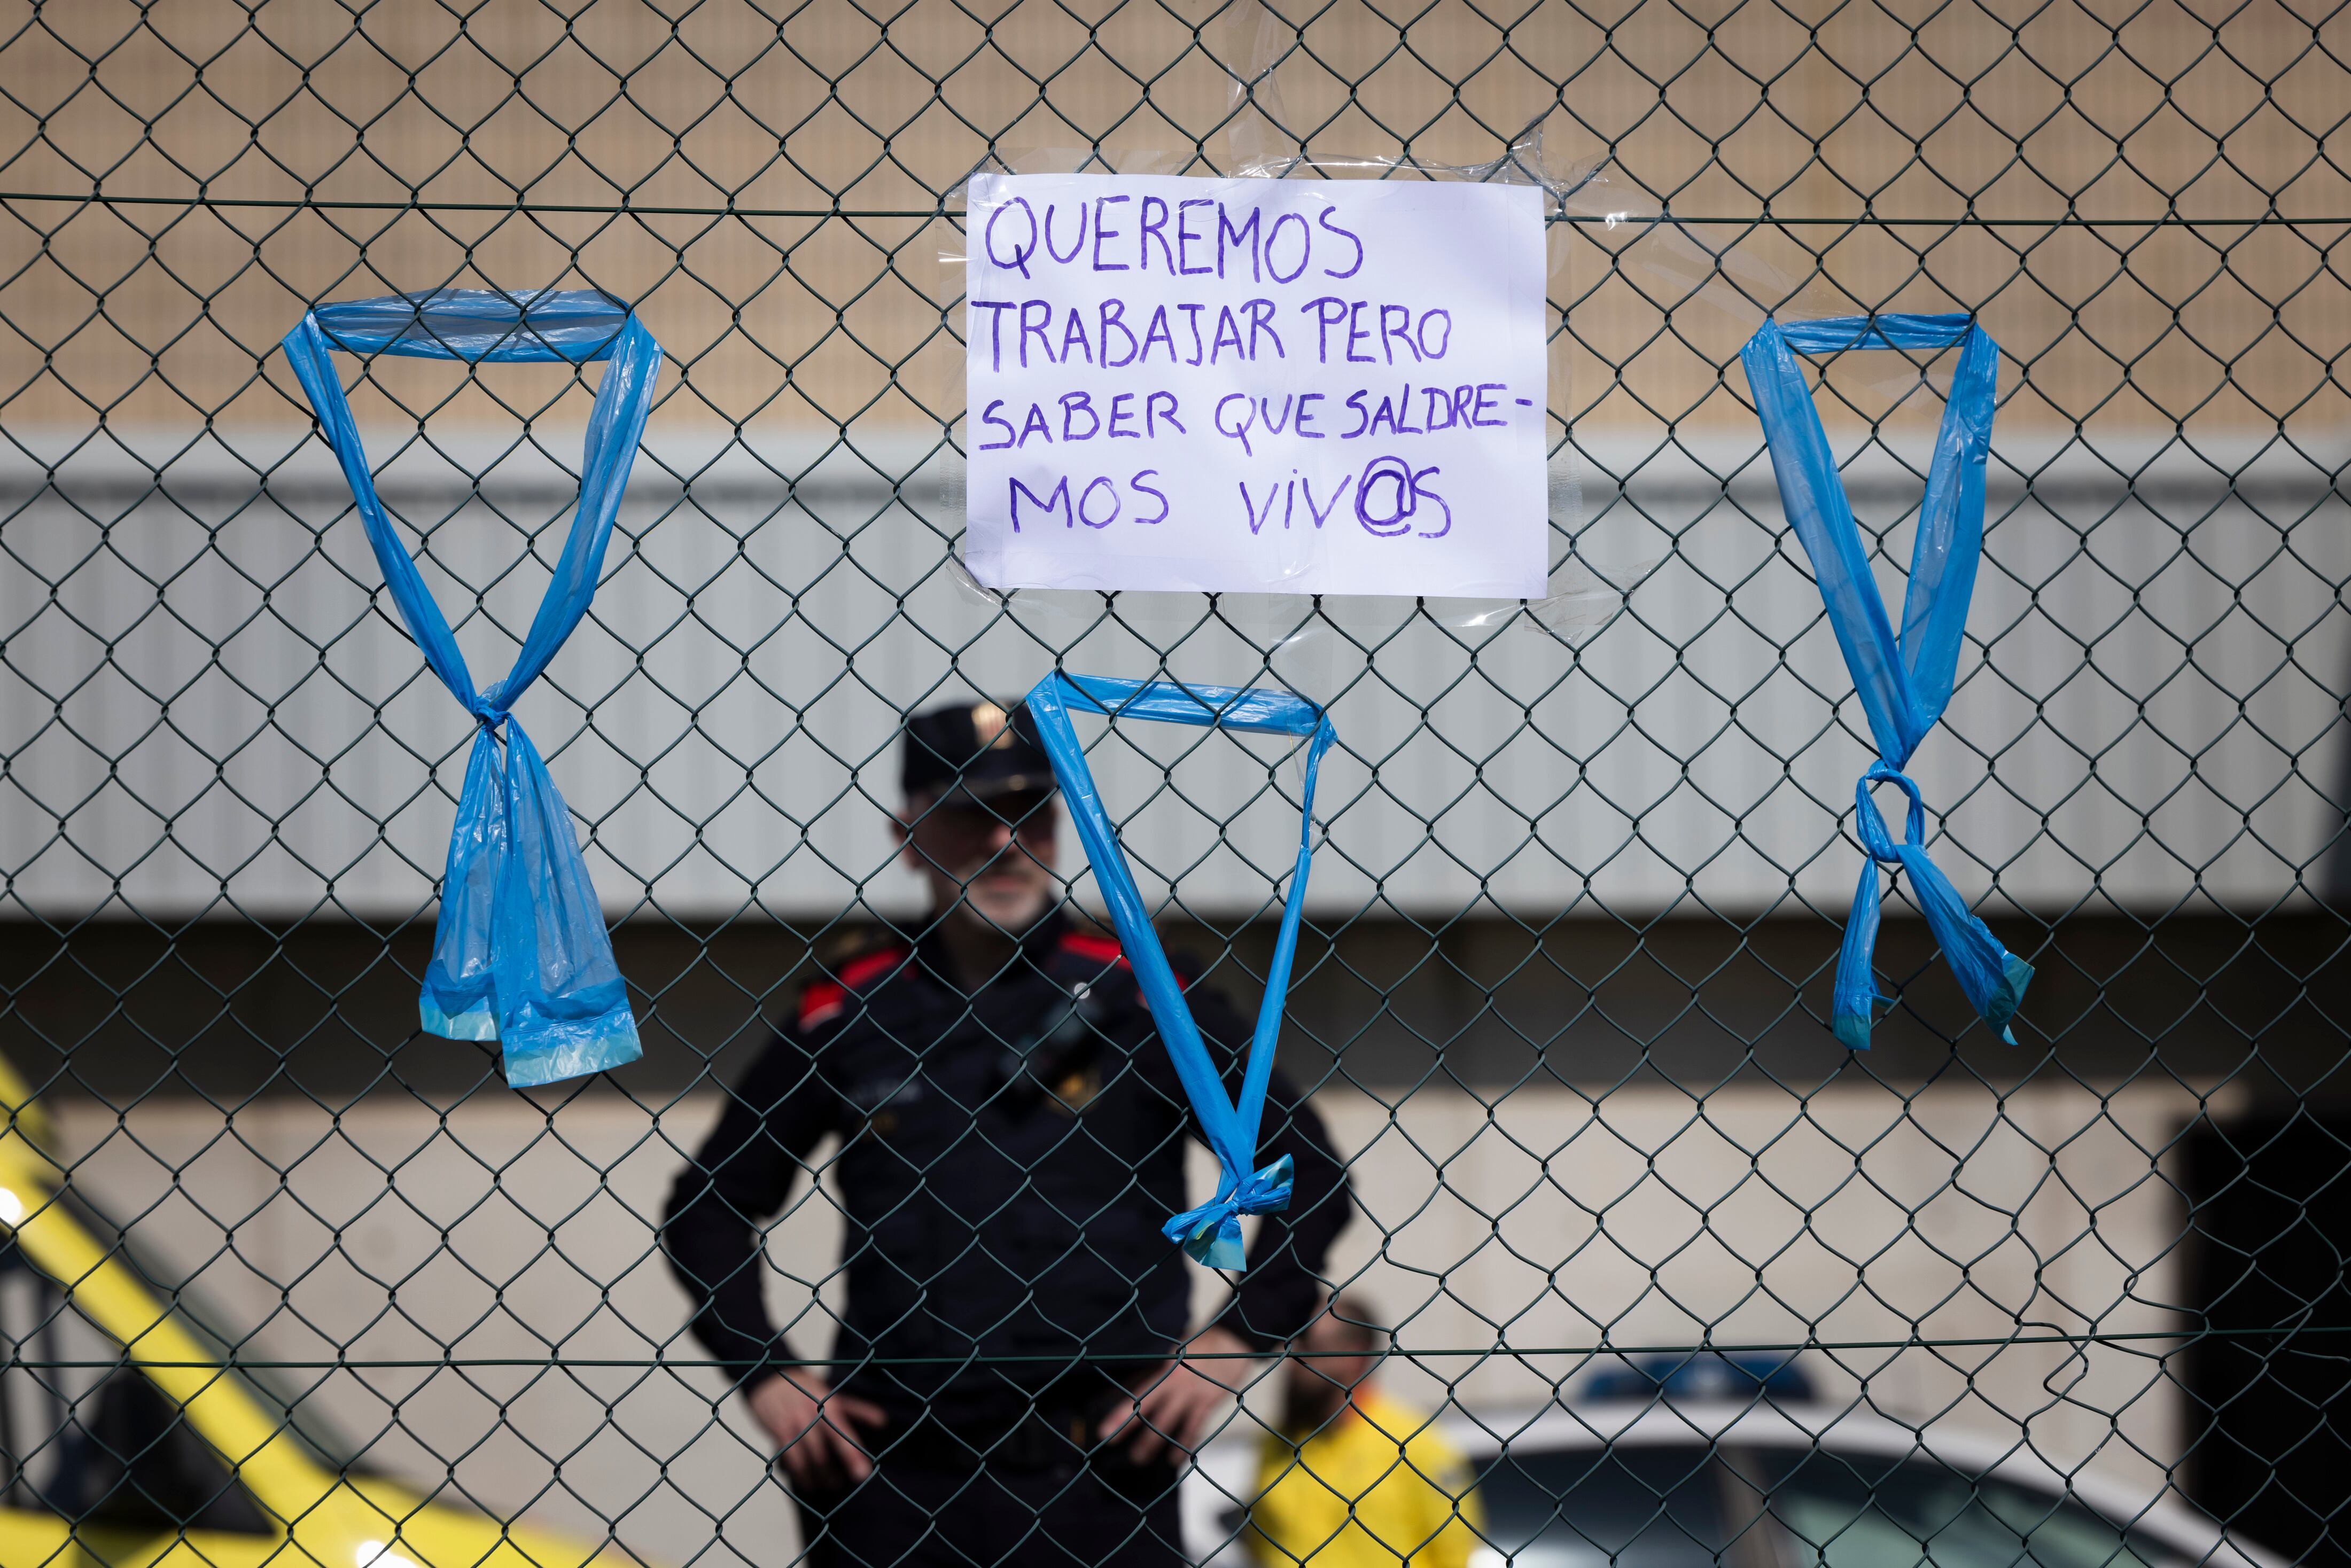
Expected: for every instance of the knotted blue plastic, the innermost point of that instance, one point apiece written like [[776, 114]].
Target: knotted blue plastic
[[520, 955], [1903, 682], [1212, 1232]]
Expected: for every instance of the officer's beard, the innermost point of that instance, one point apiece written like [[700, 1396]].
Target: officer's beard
[[983, 926], [1010, 908]]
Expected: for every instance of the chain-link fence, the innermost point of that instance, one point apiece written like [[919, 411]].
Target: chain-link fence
[[1563, 1004]]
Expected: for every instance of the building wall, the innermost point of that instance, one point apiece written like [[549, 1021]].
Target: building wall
[[2145, 721], [793, 316], [207, 714]]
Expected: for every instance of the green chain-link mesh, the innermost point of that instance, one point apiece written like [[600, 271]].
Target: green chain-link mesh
[[1564, 999]]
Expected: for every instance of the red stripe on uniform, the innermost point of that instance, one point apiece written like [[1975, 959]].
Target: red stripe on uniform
[[871, 966], [826, 1000], [822, 999], [1099, 949], [1106, 950]]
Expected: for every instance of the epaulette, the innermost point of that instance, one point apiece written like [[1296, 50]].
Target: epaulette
[[827, 999]]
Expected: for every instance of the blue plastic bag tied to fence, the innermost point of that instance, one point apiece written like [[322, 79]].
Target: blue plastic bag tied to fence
[[1212, 1232], [1903, 681], [520, 955]]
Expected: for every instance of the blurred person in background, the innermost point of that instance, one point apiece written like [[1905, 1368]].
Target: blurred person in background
[[1014, 1377], [1353, 1478]]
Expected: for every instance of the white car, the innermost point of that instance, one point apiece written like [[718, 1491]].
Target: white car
[[1758, 1484]]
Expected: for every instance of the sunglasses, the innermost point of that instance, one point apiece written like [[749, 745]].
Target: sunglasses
[[1031, 816]]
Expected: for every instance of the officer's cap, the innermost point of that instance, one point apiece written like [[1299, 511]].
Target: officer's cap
[[984, 751]]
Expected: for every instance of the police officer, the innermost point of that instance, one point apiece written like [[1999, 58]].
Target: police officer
[[1010, 1379]]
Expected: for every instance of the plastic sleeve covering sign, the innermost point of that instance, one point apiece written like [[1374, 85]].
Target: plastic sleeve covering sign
[[520, 955], [1211, 1233], [1903, 682]]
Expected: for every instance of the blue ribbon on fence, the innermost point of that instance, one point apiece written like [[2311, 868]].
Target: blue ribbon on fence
[[520, 955], [1212, 1232], [1904, 683]]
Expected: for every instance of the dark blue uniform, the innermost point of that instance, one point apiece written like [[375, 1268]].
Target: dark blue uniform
[[1008, 1158]]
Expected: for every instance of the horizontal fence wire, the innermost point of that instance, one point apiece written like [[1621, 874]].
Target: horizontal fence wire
[[1583, 1352]]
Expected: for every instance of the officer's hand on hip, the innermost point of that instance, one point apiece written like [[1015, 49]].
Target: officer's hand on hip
[[815, 1429], [1180, 1396]]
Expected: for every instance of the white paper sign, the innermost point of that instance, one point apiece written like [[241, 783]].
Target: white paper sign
[[1256, 385]]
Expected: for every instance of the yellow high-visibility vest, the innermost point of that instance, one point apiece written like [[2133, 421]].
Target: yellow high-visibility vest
[[1378, 1486]]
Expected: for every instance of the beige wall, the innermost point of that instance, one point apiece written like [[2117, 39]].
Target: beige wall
[[504, 1233], [160, 315]]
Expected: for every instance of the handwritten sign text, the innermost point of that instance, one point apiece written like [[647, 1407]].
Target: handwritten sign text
[[1238, 385]]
